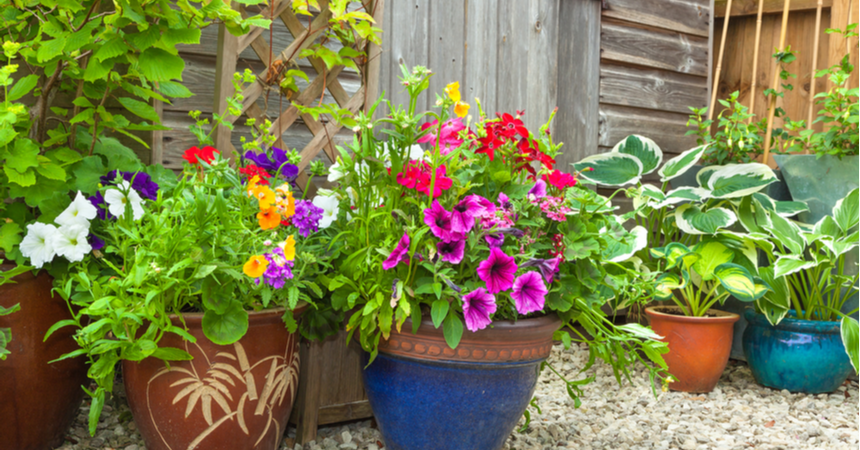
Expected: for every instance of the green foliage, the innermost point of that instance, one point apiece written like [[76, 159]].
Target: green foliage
[[738, 138]]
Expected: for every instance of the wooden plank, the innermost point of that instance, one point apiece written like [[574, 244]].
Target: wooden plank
[[843, 13], [654, 48], [345, 412], [711, 37], [684, 16], [310, 380], [578, 80], [666, 129], [542, 67], [312, 149], [447, 52], [512, 50], [409, 45], [652, 89], [750, 7], [386, 74], [374, 61], [481, 65], [225, 67], [289, 115]]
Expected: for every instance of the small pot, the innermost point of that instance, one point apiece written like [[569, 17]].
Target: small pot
[[426, 395], [798, 355], [38, 401], [699, 347], [232, 397]]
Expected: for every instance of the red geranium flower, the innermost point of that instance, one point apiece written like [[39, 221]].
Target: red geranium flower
[[560, 179], [193, 155], [251, 170], [418, 176]]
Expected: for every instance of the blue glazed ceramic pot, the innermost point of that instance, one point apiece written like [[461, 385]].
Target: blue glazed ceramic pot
[[425, 395], [798, 355]]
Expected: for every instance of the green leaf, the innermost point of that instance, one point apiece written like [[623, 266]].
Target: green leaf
[[849, 331], [776, 302], [740, 180], [666, 283], [692, 220], [23, 87], [140, 109], [712, 254], [97, 70], [439, 311], [740, 283], [846, 212], [611, 169], [174, 90], [23, 155], [111, 49], [645, 150], [64, 155], [680, 164], [88, 173], [52, 171], [226, 328], [172, 354], [49, 50], [618, 250], [118, 155], [158, 65], [147, 38], [10, 236], [452, 329], [53, 205], [787, 233], [139, 350], [789, 264], [173, 36], [24, 179]]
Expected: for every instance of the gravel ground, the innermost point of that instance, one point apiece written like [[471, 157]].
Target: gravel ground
[[738, 414]]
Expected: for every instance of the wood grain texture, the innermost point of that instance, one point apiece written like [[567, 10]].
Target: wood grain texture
[[684, 16], [447, 45], [651, 88], [666, 129], [512, 50], [225, 65], [409, 44], [843, 13], [542, 66], [750, 7], [481, 61], [654, 48]]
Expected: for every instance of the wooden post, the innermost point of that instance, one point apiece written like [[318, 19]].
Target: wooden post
[[814, 66], [374, 53], [225, 66], [754, 85], [775, 85], [713, 104]]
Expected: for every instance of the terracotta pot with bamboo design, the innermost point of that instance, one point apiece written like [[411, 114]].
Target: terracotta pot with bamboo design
[[39, 400], [233, 397]]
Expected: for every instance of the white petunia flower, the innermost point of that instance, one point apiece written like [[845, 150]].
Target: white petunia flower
[[117, 199], [71, 242], [79, 212], [38, 244], [416, 153], [334, 172], [330, 206]]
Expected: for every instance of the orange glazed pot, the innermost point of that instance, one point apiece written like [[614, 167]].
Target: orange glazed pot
[[38, 401], [699, 347], [231, 397]]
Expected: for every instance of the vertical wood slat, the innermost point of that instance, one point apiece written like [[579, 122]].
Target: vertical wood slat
[[513, 57], [481, 62], [447, 46], [372, 68], [225, 64], [409, 45], [843, 13], [542, 66], [578, 80]]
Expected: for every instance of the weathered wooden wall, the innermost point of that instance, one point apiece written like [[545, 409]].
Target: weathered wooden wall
[[738, 58]]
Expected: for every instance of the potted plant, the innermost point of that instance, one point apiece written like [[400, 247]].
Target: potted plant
[[458, 264], [800, 339]]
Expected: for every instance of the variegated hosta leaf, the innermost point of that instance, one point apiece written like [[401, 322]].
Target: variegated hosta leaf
[[826, 227], [787, 233], [683, 194], [666, 283], [676, 253], [692, 220], [784, 209], [740, 283], [621, 250], [759, 240], [703, 176], [850, 332], [646, 150], [680, 164], [711, 254], [846, 212], [740, 180], [611, 169], [776, 302], [842, 245], [789, 264]]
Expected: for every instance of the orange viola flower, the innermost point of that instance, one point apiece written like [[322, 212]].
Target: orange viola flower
[[252, 184], [269, 218], [265, 196], [256, 266], [289, 247], [461, 109], [287, 205]]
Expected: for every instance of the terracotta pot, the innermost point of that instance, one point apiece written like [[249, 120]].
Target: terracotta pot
[[233, 397], [699, 347], [471, 396], [38, 401]]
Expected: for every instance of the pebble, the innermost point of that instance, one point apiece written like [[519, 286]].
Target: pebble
[[732, 417]]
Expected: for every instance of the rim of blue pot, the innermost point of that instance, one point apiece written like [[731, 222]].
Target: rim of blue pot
[[792, 323]]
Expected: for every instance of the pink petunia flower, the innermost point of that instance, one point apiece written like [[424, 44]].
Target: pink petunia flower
[[477, 307], [399, 254], [449, 137], [497, 271], [452, 251], [439, 220], [548, 267], [463, 214], [538, 191], [529, 293]]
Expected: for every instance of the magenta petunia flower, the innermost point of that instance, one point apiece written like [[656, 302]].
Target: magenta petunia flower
[[477, 307], [497, 271], [451, 252], [449, 137], [548, 267], [439, 220], [505, 202], [495, 240], [464, 213], [537, 191], [399, 254], [529, 293]]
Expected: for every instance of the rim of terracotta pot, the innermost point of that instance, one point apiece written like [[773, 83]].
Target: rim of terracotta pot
[[527, 339], [791, 323], [264, 316], [722, 316]]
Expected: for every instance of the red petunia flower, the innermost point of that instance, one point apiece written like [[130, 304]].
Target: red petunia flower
[[193, 155], [251, 170]]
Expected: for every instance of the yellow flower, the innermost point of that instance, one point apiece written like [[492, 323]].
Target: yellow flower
[[269, 218], [286, 205], [266, 197], [289, 247], [453, 91], [252, 185], [461, 109], [256, 266]]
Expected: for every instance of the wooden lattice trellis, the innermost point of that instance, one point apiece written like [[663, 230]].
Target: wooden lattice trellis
[[230, 47]]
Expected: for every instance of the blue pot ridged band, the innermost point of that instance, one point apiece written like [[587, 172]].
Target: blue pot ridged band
[[798, 355], [447, 405]]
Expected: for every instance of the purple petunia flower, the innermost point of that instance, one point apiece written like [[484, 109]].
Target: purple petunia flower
[[495, 240], [279, 269], [529, 293], [477, 307], [399, 254], [463, 214], [279, 161], [98, 201], [439, 220], [451, 252], [548, 267], [538, 191], [307, 217], [505, 202], [497, 271], [95, 242], [140, 182]]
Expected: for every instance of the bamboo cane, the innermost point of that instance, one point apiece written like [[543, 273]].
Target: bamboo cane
[[814, 67], [775, 85], [720, 61], [754, 86]]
